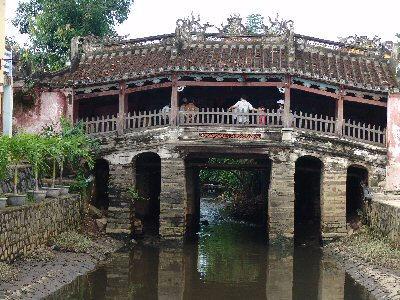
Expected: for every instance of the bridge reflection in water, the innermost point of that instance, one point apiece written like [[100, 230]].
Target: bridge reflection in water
[[228, 261]]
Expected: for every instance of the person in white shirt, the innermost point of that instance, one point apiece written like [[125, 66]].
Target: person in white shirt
[[165, 111], [244, 107]]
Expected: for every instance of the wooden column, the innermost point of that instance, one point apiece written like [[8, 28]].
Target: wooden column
[[174, 101], [75, 109], [122, 107], [287, 119], [339, 113]]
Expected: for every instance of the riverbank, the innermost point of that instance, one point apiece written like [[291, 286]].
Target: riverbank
[[46, 270], [370, 261]]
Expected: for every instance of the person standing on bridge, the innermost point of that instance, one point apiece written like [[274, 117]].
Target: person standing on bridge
[[244, 107]]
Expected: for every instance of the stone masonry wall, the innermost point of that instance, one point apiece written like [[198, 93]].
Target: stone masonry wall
[[281, 199], [121, 210], [172, 199], [25, 228], [333, 197], [384, 217]]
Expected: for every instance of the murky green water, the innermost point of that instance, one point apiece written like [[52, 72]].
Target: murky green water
[[228, 261]]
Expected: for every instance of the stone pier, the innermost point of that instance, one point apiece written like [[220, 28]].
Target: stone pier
[[121, 209], [333, 198], [172, 199], [281, 199]]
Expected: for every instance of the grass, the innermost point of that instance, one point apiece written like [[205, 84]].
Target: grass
[[72, 241], [372, 247]]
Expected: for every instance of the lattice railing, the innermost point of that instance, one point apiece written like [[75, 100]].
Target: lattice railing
[[219, 117], [100, 124], [146, 119], [312, 122], [364, 132]]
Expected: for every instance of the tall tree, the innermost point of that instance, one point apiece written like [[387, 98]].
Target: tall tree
[[51, 25], [255, 23]]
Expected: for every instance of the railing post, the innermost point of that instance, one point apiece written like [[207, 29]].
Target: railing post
[[122, 107], [174, 102], [286, 106], [339, 113]]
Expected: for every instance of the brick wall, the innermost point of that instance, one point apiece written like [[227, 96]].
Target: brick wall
[[25, 228]]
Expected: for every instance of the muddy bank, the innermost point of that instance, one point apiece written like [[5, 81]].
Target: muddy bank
[[42, 275], [380, 275]]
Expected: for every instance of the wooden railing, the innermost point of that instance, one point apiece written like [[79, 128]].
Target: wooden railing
[[220, 118], [145, 119], [100, 124], [313, 122], [364, 132]]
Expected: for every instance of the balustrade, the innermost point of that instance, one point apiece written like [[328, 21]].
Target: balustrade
[[221, 118]]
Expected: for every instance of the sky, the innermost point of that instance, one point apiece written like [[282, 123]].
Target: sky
[[322, 19]]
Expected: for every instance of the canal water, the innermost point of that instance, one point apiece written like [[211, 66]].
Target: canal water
[[228, 260]]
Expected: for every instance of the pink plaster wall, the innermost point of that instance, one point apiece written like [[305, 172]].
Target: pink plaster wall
[[48, 107], [393, 142]]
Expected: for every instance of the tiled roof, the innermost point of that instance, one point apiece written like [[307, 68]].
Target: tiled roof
[[229, 55]]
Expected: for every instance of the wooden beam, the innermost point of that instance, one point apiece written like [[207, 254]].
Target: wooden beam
[[365, 101], [97, 94], [216, 166], [148, 87], [127, 90], [314, 91], [228, 84]]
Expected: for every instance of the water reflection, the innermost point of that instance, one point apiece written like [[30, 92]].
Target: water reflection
[[228, 261]]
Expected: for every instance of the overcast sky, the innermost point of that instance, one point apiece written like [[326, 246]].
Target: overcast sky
[[322, 19]]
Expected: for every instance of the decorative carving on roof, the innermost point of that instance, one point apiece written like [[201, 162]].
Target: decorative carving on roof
[[278, 27], [93, 43], [362, 41], [190, 29], [234, 27]]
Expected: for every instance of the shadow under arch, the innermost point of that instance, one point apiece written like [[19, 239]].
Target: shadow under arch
[[147, 166], [101, 175], [307, 206], [356, 174]]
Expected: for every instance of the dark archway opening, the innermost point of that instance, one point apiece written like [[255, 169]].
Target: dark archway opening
[[307, 207], [101, 173], [354, 193], [226, 188], [148, 187]]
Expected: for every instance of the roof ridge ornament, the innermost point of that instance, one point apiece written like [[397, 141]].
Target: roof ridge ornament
[[362, 41], [234, 26], [189, 29], [278, 27]]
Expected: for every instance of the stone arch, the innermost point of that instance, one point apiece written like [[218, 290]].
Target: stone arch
[[99, 184], [307, 206], [356, 174], [147, 183]]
